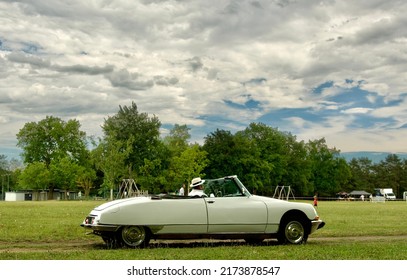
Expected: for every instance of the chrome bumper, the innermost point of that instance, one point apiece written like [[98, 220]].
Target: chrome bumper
[[316, 225], [101, 228]]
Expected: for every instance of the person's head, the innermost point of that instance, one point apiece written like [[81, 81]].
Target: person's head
[[197, 183]]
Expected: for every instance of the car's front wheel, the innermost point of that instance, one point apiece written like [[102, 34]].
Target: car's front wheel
[[135, 236], [292, 231]]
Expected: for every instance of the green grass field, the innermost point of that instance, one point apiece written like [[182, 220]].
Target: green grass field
[[354, 231]]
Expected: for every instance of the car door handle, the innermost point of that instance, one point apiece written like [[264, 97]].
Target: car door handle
[[211, 201]]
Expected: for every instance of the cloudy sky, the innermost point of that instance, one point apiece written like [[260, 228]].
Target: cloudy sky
[[332, 69]]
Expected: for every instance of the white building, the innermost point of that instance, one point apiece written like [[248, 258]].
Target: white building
[[15, 196]]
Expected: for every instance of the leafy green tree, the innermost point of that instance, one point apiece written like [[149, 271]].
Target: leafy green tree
[[85, 179], [341, 175], [185, 160], [3, 163], [330, 173], [64, 174], [9, 172], [262, 156], [270, 149], [250, 166], [109, 157], [36, 177], [222, 152], [189, 164], [87, 173], [177, 140], [298, 169], [362, 174], [389, 174], [50, 139], [403, 181], [3, 172], [143, 130]]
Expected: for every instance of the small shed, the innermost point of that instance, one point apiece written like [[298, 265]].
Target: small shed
[[15, 196]]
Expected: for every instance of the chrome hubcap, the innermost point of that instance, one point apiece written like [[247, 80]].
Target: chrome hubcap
[[133, 235], [294, 232]]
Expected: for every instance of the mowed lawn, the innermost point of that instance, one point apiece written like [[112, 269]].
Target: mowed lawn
[[354, 231]]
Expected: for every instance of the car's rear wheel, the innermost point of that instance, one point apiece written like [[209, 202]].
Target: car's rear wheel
[[135, 236], [293, 231]]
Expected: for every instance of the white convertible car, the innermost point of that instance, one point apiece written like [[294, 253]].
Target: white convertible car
[[228, 211]]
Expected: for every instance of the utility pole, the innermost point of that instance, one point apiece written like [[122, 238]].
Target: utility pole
[[2, 184], [2, 187]]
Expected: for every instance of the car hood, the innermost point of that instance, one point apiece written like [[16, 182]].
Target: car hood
[[282, 205]]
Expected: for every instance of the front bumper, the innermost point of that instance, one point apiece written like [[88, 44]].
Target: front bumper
[[92, 222], [316, 224], [100, 228]]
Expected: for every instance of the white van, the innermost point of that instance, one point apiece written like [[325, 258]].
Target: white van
[[387, 193]]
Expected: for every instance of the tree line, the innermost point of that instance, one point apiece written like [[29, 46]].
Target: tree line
[[58, 155]]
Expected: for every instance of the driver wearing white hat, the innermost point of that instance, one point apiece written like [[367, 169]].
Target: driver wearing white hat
[[197, 187]]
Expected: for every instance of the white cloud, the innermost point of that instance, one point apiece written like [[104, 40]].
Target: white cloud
[[185, 60], [357, 111]]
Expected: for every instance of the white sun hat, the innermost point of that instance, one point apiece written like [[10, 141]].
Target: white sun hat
[[196, 182]]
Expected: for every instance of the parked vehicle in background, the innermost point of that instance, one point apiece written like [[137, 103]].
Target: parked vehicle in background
[[226, 211], [387, 193]]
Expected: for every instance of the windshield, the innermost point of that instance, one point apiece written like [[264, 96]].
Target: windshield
[[225, 187]]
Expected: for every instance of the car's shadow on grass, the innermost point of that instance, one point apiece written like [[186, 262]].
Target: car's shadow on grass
[[194, 244], [211, 243]]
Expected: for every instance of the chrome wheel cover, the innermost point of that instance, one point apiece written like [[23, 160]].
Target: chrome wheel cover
[[294, 232], [133, 236]]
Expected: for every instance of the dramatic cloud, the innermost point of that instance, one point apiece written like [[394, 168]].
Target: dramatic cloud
[[333, 69]]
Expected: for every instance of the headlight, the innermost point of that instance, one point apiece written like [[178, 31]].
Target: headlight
[[91, 220]]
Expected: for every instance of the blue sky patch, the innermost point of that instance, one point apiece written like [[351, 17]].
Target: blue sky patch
[[249, 104], [319, 89], [30, 48]]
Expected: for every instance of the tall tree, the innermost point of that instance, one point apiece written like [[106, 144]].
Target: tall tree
[[9, 172], [184, 158], [3, 163], [85, 180], [403, 182], [64, 174], [389, 174], [3, 175], [109, 156], [298, 169], [362, 173], [189, 164], [36, 177], [222, 152], [143, 130], [177, 140], [330, 173], [269, 146], [51, 138]]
